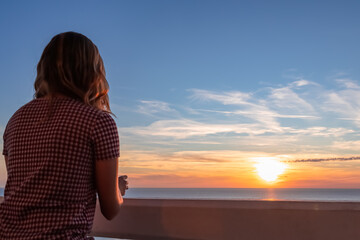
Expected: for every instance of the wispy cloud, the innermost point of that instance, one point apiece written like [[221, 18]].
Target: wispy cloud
[[286, 98], [151, 107], [348, 83], [321, 131], [211, 156], [269, 113], [356, 158], [265, 109], [344, 102], [184, 128], [184, 180], [301, 82], [246, 107], [346, 145], [226, 98]]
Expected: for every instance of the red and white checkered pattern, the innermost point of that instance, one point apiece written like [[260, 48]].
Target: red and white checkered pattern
[[50, 192]]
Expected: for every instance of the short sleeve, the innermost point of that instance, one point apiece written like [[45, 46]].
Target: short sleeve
[[105, 138], [5, 148]]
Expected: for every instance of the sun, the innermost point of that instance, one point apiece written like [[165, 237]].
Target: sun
[[269, 169]]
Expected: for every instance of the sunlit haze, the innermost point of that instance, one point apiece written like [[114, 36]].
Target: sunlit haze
[[269, 169]]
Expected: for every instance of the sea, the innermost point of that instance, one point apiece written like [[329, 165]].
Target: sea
[[260, 194]]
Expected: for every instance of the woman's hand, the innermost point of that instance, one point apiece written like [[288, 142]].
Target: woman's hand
[[123, 184]]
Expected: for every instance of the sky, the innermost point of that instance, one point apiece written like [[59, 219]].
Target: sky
[[210, 93]]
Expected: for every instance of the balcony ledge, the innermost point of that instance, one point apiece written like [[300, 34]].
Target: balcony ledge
[[225, 219]]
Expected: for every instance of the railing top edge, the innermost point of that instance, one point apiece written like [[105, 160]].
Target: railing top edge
[[241, 204]]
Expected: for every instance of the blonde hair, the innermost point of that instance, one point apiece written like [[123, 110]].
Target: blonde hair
[[71, 65]]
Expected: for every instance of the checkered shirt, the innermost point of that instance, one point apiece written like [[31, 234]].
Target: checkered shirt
[[50, 191]]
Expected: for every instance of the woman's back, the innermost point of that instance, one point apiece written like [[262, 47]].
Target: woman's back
[[50, 191]]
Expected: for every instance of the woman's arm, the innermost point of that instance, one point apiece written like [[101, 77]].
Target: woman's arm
[[6, 165], [110, 199]]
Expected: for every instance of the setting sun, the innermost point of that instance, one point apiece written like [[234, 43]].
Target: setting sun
[[269, 169]]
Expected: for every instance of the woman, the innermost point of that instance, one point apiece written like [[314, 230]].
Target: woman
[[62, 148]]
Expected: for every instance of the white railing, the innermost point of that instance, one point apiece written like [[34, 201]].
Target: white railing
[[223, 219]]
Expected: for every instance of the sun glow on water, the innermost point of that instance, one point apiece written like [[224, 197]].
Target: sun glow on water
[[269, 169]]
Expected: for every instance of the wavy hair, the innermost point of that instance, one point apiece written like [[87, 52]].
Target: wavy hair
[[71, 65]]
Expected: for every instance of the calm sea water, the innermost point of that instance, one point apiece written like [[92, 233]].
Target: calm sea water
[[285, 194]]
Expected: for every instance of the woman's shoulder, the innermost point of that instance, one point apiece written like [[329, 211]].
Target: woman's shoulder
[[18, 114], [64, 107], [22, 108], [86, 109], [83, 112]]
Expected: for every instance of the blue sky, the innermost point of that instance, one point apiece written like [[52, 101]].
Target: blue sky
[[198, 79]]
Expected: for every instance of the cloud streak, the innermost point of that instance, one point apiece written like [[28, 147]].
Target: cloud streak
[[282, 102], [152, 107], [268, 113], [345, 102], [186, 128], [356, 158], [226, 98], [286, 98]]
